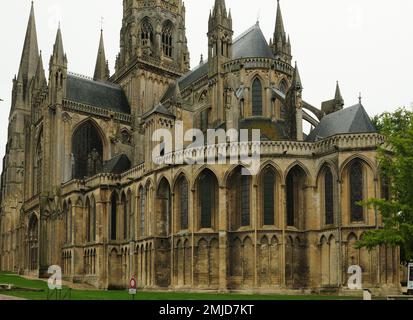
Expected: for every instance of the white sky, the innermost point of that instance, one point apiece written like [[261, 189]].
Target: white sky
[[365, 44]]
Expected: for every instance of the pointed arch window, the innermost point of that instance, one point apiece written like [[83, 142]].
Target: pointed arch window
[[356, 191], [167, 39], [38, 168], [125, 216], [207, 188], [283, 89], [257, 105], [146, 33], [328, 197], [142, 207], [269, 197], [87, 149], [245, 200], [113, 217], [183, 203]]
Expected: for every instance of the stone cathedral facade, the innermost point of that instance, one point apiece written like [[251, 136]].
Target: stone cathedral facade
[[79, 188]]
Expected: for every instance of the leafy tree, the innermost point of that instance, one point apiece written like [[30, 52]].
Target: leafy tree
[[396, 165]]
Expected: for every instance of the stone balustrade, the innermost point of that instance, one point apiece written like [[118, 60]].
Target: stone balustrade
[[268, 149]]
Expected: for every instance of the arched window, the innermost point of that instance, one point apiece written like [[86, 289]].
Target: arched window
[[283, 88], [142, 207], [268, 182], [125, 216], [131, 217], [93, 220], [328, 196], [163, 203], [207, 193], [245, 200], [238, 197], [167, 39], [113, 216], [38, 168], [257, 97], [87, 149], [146, 33], [88, 220], [356, 191], [183, 202], [295, 196]]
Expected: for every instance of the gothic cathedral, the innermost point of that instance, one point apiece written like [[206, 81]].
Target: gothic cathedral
[[80, 189]]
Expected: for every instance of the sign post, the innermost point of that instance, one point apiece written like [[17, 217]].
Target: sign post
[[410, 279], [132, 287]]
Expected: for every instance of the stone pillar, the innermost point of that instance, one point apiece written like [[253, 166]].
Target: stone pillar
[[283, 201], [223, 239]]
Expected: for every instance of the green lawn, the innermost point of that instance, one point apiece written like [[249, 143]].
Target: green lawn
[[20, 282]]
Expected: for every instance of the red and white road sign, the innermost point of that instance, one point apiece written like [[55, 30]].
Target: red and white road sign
[[132, 286]]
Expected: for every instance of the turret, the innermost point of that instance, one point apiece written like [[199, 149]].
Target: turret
[[281, 43], [220, 35], [57, 71], [294, 118], [28, 65]]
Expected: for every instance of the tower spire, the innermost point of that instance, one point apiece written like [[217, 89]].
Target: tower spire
[[59, 56], [101, 68], [338, 97], [279, 32], [30, 54], [281, 45]]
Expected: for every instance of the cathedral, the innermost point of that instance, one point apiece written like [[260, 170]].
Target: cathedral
[[80, 189]]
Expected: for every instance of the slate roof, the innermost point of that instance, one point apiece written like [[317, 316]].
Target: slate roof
[[117, 164], [349, 120], [96, 93], [161, 109], [250, 44]]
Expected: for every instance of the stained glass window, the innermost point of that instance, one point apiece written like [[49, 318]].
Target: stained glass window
[[290, 200], [113, 217], [245, 200], [206, 189], [256, 98], [184, 203], [87, 151], [142, 195], [329, 197], [356, 191], [268, 197]]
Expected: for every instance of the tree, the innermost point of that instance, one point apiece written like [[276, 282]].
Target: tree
[[396, 170]]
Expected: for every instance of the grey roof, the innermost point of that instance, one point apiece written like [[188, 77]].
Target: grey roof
[[117, 164], [349, 120], [96, 93], [161, 109], [249, 44]]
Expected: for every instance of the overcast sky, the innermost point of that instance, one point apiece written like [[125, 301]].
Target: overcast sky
[[367, 45]]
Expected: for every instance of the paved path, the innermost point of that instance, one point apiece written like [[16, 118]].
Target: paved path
[[3, 297]]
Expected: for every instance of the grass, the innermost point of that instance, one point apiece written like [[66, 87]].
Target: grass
[[21, 282]]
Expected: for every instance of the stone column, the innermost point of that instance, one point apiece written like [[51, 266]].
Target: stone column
[[223, 239]]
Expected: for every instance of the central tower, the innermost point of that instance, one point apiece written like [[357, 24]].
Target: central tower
[[154, 30]]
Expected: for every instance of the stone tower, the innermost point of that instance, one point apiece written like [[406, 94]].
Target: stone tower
[[220, 35], [153, 55], [154, 30]]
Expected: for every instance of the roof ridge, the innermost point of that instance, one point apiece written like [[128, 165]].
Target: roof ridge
[[84, 77]]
